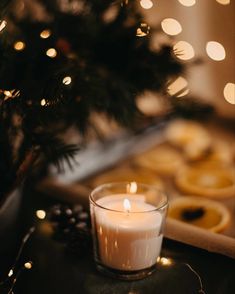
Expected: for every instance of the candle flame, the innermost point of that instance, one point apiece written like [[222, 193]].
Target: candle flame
[[132, 188], [126, 205]]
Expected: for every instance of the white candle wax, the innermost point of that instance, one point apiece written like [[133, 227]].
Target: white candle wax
[[128, 240]]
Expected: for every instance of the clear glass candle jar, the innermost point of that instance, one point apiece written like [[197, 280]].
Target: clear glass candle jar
[[127, 225]]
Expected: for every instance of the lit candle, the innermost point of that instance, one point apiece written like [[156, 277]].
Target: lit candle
[[127, 231]]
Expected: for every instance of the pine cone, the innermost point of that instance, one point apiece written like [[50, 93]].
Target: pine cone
[[71, 226]]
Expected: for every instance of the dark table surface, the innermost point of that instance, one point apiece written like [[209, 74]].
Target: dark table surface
[[56, 271]]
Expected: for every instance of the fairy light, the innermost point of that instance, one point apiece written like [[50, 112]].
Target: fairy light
[[3, 24], [171, 26], [7, 93], [19, 45], [10, 273], [183, 50], [229, 93], [41, 214], [146, 4], [165, 261], [51, 52], [187, 3], [28, 265], [45, 34], [67, 80], [215, 50], [143, 30], [43, 102]]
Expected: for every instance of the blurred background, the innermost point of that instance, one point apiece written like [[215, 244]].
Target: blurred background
[[202, 30]]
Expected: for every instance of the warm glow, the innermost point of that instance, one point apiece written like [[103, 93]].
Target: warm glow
[[67, 80], [10, 273], [43, 102], [171, 26], [126, 205], [51, 52], [215, 51], [178, 86], [183, 93], [3, 24], [45, 34], [19, 45], [143, 30], [7, 93], [183, 50], [131, 188], [187, 2], [146, 4], [229, 93], [165, 261], [223, 2], [41, 214], [28, 265]]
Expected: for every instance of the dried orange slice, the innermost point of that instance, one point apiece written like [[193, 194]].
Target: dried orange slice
[[207, 181], [203, 213], [162, 159], [190, 136]]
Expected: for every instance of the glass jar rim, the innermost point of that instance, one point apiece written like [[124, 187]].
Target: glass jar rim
[[102, 186]]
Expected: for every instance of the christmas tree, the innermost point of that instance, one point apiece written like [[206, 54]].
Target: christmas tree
[[60, 62]]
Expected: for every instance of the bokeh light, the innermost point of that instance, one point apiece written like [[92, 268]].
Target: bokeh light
[[19, 45], [183, 50], [28, 265], [171, 26], [143, 30], [67, 80], [215, 50], [164, 261], [178, 87], [3, 24], [223, 2], [43, 102], [41, 214], [229, 93], [51, 52], [45, 34], [146, 4], [187, 3]]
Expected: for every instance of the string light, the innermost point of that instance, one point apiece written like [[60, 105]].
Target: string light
[[19, 45], [229, 93], [165, 261], [183, 50], [146, 4], [7, 93], [51, 52], [28, 265], [10, 273], [67, 80], [43, 102], [143, 30], [45, 34], [3, 24], [187, 3], [171, 26], [215, 50]]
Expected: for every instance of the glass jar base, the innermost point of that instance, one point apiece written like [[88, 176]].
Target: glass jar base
[[126, 275]]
